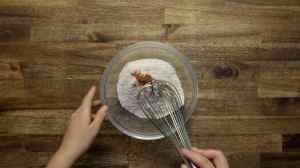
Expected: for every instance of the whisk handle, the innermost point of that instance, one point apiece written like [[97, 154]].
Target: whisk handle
[[193, 165], [187, 162], [190, 164]]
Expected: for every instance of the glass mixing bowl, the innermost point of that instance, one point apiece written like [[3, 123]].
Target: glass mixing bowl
[[127, 122]]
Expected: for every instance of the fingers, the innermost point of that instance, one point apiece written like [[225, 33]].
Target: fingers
[[197, 159], [99, 117], [217, 156], [183, 166], [211, 154], [93, 116], [87, 100], [96, 103]]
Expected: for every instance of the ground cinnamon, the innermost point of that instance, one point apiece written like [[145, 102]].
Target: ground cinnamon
[[141, 78]]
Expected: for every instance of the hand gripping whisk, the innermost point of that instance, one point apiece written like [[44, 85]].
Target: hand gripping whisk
[[163, 106]]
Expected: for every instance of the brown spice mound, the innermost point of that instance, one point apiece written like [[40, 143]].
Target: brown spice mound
[[141, 78]]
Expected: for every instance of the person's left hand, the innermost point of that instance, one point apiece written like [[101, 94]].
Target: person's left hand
[[83, 128]]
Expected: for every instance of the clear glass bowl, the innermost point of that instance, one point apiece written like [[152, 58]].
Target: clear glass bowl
[[125, 121]]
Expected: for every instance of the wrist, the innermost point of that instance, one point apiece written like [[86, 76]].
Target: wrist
[[62, 158], [66, 155]]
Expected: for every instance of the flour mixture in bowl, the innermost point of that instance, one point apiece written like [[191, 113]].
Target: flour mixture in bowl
[[129, 70], [137, 73]]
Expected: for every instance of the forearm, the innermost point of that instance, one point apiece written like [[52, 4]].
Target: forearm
[[61, 159]]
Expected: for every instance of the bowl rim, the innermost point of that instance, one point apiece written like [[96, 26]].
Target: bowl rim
[[147, 44]]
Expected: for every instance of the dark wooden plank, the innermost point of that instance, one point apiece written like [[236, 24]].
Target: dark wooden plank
[[236, 160], [81, 12], [92, 11], [279, 3], [253, 24], [44, 93], [245, 31], [41, 122], [35, 151], [68, 67], [282, 106], [53, 122], [234, 24], [14, 32], [211, 52], [245, 125], [281, 88], [39, 159], [56, 61], [140, 154], [207, 60], [239, 143], [206, 107], [280, 160], [249, 107], [47, 143], [34, 3], [95, 32], [244, 159], [60, 93], [279, 79], [161, 154], [128, 3], [225, 80], [244, 16], [291, 143]]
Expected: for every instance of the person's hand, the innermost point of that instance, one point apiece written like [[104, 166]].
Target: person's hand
[[82, 130], [80, 133], [205, 158]]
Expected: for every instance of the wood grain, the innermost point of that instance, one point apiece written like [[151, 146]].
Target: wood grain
[[54, 122], [69, 66], [245, 125], [290, 142], [249, 107], [239, 143], [279, 79], [40, 148], [279, 160], [245, 54]]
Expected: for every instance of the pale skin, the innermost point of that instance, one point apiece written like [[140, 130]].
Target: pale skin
[[82, 130], [209, 158], [84, 126]]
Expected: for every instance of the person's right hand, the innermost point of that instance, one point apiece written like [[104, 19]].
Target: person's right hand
[[206, 158]]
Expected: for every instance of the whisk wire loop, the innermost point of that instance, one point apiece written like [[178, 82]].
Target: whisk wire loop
[[163, 105]]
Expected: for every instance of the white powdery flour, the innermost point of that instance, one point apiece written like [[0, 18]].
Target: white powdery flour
[[126, 89]]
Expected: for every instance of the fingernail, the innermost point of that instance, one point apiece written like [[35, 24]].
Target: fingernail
[[105, 107]]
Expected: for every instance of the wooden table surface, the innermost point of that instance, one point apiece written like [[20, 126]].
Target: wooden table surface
[[246, 54]]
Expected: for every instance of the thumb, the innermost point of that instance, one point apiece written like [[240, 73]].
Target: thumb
[[99, 117]]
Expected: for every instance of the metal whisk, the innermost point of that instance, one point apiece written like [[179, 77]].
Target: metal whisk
[[163, 106]]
